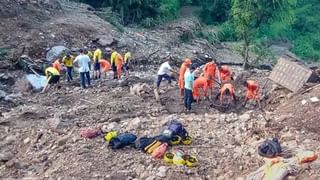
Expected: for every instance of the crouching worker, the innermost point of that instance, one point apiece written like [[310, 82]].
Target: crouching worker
[[252, 92], [53, 77], [200, 83], [227, 93]]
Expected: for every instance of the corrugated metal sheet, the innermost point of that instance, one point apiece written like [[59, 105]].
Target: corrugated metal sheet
[[290, 74]]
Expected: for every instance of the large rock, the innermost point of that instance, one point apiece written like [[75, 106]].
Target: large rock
[[37, 82], [162, 171], [55, 52], [105, 40], [2, 94], [4, 157]]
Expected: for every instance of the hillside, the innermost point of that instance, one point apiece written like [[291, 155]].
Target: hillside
[[40, 133]]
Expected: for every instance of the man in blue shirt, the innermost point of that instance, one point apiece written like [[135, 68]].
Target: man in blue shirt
[[188, 86], [83, 62]]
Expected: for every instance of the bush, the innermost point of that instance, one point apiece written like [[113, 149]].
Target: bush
[[111, 17], [307, 47], [227, 32], [210, 36]]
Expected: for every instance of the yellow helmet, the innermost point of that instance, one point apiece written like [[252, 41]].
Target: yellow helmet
[[110, 135]]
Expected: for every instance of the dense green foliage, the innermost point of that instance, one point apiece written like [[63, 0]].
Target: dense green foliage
[[254, 21]]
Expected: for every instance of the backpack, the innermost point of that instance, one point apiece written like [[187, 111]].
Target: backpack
[[143, 142], [270, 148], [177, 128], [122, 140]]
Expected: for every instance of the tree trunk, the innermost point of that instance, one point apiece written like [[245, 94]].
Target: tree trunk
[[246, 53]]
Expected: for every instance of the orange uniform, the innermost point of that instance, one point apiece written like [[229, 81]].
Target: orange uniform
[[201, 82], [223, 89], [183, 68], [119, 65], [225, 73], [105, 65], [57, 65], [210, 72], [252, 90]]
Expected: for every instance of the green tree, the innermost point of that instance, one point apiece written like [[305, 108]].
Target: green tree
[[249, 15]]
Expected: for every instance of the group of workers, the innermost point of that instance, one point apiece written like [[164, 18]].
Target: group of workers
[[195, 83], [194, 80], [88, 60]]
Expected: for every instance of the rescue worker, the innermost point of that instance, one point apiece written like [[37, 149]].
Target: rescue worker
[[105, 66], [225, 74], [127, 58], [83, 61], [210, 72], [227, 91], [200, 83], [164, 72], [90, 55], [57, 65], [68, 62], [119, 64], [53, 76], [252, 92], [113, 62], [184, 66], [188, 87], [97, 55]]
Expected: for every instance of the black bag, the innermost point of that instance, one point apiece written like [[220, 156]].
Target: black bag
[[270, 148], [143, 142]]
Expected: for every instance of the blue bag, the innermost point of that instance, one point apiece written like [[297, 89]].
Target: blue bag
[[122, 140], [177, 129]]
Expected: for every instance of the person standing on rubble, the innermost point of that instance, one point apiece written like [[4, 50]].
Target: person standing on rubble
[[188, 87], [53, 77], [68, 62], [57, 64], [210, 73], [183, 68], [252, 92], [83, 61], [163, 73], [119, 63], [97, 55], [127, 58], [113, 62]]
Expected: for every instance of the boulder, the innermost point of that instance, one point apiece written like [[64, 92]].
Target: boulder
[[4, 157], [2, 94], [105, 40], [55, 52], [162, 172], [37, 82]]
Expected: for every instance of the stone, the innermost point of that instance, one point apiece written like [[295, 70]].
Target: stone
[[2, 94], [37, 82], [162, 171], [105, 40], [9, 140], [7, 156], [114, 126], [244, 117], [151, 178], [26, 141], [135, 123], [56, 52], [303, 102], [314, 99], [62, 141]]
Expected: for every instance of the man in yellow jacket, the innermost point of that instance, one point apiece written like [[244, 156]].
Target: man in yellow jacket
[[127, 58], [113, 61], [68, 62], [97, 55], [53, 77]]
